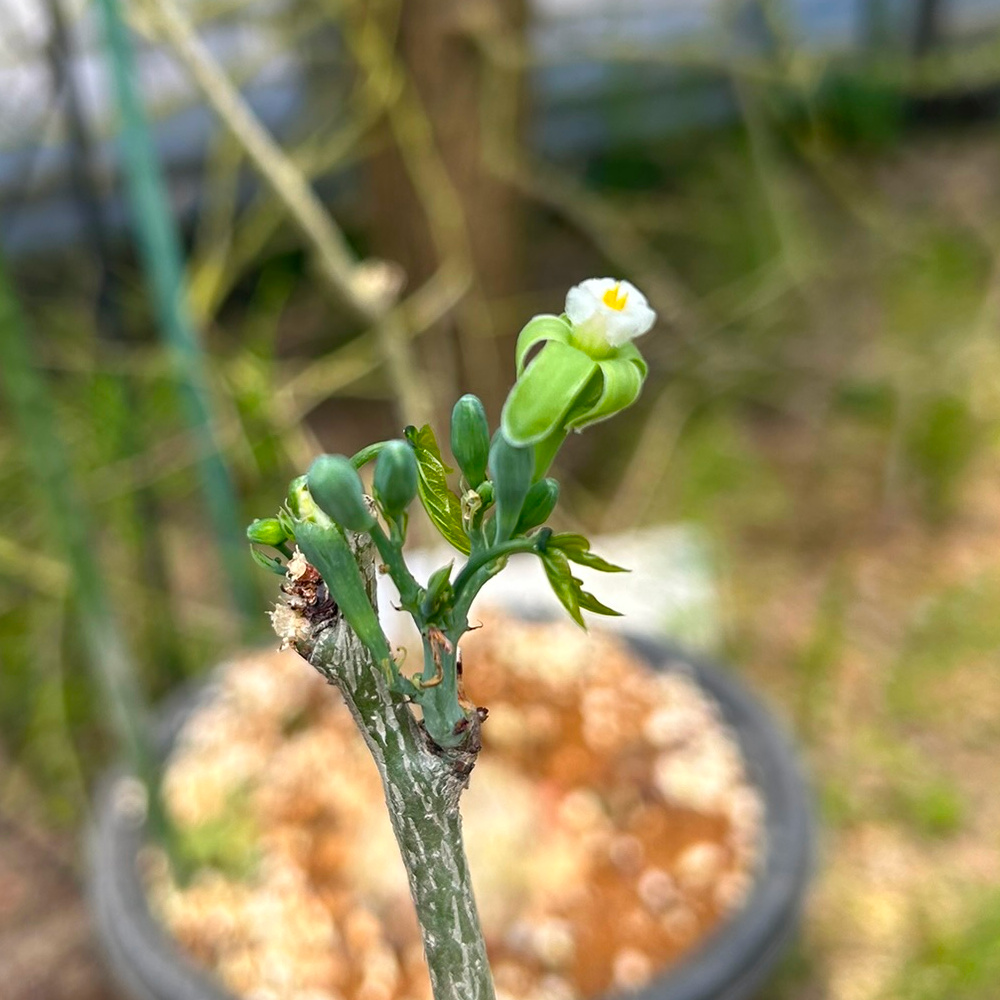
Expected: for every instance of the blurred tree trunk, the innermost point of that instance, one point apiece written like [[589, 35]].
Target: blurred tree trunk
[[436, 43]]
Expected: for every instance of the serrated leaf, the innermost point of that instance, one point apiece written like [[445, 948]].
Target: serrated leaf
[[266, 562], [577, 549], [443, 507], [564, 585], [590, 603]]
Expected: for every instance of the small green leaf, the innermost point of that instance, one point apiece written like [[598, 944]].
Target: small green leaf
[[569, 589], [545, 392], [622, 379], [563, 583], [443, 507], [577, 549], [590, 603], [537, 330], [266, 562]]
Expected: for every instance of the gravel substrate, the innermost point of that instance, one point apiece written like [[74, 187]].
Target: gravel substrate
[[610, 825]]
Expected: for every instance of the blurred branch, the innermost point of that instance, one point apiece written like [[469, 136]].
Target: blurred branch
[[600, 221], [357, 284], [440, 200], [368, 287]]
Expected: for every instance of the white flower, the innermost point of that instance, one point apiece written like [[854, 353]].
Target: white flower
[[606, 313]]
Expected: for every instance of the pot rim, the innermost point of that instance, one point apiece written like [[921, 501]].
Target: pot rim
[[728, 964]]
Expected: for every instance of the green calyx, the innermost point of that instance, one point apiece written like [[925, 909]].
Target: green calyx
[[566, 386]]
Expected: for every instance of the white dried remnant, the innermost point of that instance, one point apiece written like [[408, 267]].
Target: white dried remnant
[[657, 890], [632, 969]]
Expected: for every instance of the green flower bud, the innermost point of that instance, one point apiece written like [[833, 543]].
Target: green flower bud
[[300, 504], [470, 439], [395, 477], [267, 531], [538, 505], [335, 486], [512, 469], [485, 491]]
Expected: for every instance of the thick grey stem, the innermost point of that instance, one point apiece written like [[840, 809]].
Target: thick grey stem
[[422, 784]]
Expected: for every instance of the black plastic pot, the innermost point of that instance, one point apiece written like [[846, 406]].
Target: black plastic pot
[[729, 965]]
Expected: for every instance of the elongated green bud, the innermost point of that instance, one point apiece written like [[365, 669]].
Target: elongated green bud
[[395, 477], [336, 487], [512, 469], [538, 505], [267, 531], [326, 548], [470, 438]]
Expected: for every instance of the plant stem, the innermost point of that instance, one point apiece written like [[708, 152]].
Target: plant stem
[[422, 783]]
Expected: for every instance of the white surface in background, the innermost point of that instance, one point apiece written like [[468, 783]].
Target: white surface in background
[[670, 591]]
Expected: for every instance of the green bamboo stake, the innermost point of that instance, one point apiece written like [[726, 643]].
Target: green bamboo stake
[[31, 407], [163, 264]]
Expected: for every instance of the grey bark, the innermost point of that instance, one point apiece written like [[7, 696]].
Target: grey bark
[[422, 783]]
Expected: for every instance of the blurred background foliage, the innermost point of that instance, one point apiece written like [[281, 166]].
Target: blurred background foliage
[[341, 213]]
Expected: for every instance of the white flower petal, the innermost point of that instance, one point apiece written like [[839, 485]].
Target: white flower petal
[[587, 310], [581, 304]]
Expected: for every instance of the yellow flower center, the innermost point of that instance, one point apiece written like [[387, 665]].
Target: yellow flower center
[[613, 300]]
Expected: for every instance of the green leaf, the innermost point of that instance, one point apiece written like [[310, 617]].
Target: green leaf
[[569, 589], [590, 603], [545, 392], [541, 328], [326, 547], [564, 584], [266, 562], [443, 507], [577, 549], [622, 382]]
